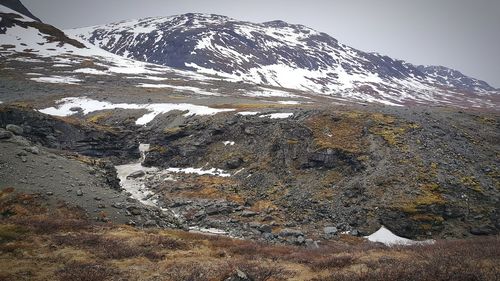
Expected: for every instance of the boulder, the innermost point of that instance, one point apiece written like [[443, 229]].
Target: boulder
[[234, 163], [287, 232], [330, 230], [136, 174], [33, 150], [248, 213], [5, 134], [16, 130]]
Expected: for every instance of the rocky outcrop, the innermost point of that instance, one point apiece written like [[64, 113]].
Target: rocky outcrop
[[70, 134]]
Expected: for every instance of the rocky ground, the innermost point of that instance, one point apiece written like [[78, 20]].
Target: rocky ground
[[60, 177], [422, 172]]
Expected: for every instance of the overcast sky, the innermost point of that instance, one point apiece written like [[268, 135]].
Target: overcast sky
[[461, 34]]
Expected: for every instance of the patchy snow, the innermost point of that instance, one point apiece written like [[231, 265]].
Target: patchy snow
[[61, 65], [199, 171], [178, 88], [208, 231], [33, 74], [148, 77], [267, 92], [55, 79], [278, 115], [385, 236], [289, 102], [87, 105], [246, 113], [230, 143], [92, 71]]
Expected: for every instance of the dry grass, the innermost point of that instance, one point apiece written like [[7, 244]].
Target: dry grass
[[344, 132], [76, 249]]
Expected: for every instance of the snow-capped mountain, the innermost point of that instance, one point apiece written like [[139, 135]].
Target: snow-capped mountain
[[285, 55]]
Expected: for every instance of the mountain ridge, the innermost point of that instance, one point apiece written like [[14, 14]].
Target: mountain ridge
[[279, 54]]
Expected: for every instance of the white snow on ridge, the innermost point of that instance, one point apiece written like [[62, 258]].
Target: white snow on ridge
[[230, 143], [386, 237], [64, 108], [57, 80]]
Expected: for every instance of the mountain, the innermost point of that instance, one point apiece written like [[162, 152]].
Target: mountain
[[17, 6], [285, 55]]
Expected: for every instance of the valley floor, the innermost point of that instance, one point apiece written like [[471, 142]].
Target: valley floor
[[39, 243]]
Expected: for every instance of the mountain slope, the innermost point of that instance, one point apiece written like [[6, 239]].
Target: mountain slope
[[17, 6], [285, 55]]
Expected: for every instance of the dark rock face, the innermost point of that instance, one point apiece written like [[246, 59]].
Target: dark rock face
[[350, 172], [84, 139]]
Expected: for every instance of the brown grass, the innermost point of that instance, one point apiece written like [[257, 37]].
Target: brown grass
[[69, 251]]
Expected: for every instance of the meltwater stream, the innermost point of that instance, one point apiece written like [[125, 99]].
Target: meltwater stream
[[137, 189]]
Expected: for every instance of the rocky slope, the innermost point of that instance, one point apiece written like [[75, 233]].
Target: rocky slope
[[285, 55], [243, 159]]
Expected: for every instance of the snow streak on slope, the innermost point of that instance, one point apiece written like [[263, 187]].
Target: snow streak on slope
[[283, 55]]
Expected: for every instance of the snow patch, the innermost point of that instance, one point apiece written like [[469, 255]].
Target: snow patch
[[230, 143], [199, 171], [278, 115], [92, 71], [57, 80], [386, 237], [87, 105]]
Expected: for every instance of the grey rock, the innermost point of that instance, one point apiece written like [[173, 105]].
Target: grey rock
[[134, 210], [483, 230], [16, 130], [311, 244], [136, 174], [265, 228], [150, 223], [33, 149], [287, 232], [247, 213], [330, 230], [79, 192], [234, 163], [5, 134]]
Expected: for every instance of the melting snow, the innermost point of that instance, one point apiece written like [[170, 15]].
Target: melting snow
[[178, 88], [245, 113], [228, 143], [57, 80], [385, 236], [278, 115], [64, 106], [92, 71], [199, 171], [290, 102]]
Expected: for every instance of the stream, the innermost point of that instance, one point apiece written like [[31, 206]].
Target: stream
[[136, 187]]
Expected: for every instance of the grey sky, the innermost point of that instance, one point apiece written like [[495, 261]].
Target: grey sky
[[461, 34]]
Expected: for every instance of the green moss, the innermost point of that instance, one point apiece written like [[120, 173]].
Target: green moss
[[429, 196], [11, 232], [158, 148], [172, 131], [472, 183]]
